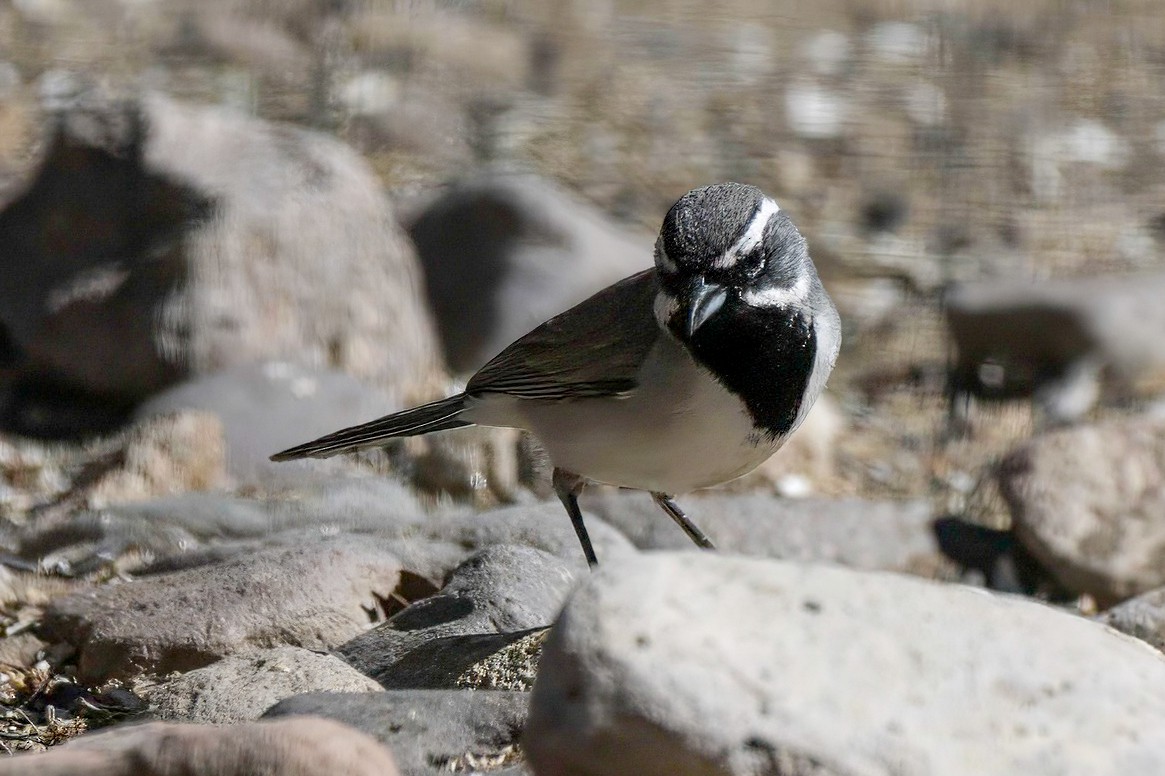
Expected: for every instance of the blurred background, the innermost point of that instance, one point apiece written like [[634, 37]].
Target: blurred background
[[980, 184]]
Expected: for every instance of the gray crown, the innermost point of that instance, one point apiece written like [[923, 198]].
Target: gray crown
[[706, 222]]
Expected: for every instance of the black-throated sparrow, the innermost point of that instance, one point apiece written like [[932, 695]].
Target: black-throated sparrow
[[677, 378]]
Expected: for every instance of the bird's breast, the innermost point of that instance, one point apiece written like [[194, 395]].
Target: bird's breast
[[678, 431]]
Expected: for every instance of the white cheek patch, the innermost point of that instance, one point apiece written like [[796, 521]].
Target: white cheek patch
[[777, 296], [665, 307], [753, 236]]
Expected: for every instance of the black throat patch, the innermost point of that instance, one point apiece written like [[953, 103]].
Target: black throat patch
[[764, 356]]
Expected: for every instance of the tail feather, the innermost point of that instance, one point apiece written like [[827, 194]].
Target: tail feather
[[435, 416]]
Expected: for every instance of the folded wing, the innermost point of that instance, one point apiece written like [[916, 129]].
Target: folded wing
[[593, 349]]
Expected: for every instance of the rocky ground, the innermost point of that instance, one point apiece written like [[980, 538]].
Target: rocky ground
[[227, 227]]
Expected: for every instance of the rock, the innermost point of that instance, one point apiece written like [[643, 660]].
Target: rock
[[815, 112], [435, 114], [196, 529], [513, 667], [457, 660], [1082, 142], [478, 465], [421, 124], [697, 663], [354, 503], [856, 256], [172, 453], [1142, 617], [750, 55], [429, 560], [30, 475], [1066, 342], [504, 591], [502, 253], [240, 688], [87, 540], [265, 408], [925, 104], [245, 35], [370, 92], [315, 596], [828, 52], [429, 731], [883, 211], [898, 43], [168, 454], [874, 535], [994, 558], [270, 407], [477, 54], [21, 650], [435, 545], [544, 526], [193, 244], [869, 304], [1089, 504], [289, 747], [193, 529]]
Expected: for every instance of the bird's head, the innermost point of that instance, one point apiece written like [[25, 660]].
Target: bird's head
[[727, 248]]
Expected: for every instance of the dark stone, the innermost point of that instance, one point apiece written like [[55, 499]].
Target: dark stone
[[503, 253], [493, 599], [155, 241]]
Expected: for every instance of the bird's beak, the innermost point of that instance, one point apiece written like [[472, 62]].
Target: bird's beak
[[704, 299]]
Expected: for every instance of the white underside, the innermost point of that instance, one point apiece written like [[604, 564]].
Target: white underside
[[681, 430]]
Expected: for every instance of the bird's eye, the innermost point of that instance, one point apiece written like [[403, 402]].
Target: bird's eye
[[754, 264]]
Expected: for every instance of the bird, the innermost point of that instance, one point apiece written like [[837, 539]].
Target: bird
[[680, 377]]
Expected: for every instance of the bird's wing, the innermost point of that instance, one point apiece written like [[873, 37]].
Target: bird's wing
[[593, 349]]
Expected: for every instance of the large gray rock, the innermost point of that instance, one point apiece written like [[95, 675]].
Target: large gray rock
[[240, 688], [492, 599], [289, 747], [696, 663], [874, 535], [502, 253], [316, 596], [1066, 341], [159, 240], [1089, 504], [269, 407], [430, 732]]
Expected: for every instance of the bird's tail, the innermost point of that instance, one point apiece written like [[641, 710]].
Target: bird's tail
[[435, 416]]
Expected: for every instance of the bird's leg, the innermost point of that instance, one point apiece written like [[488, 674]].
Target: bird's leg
[[568, 486], [675, 513]]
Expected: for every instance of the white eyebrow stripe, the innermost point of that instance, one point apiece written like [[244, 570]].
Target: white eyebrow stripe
[[752, 237], [777, 296]]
